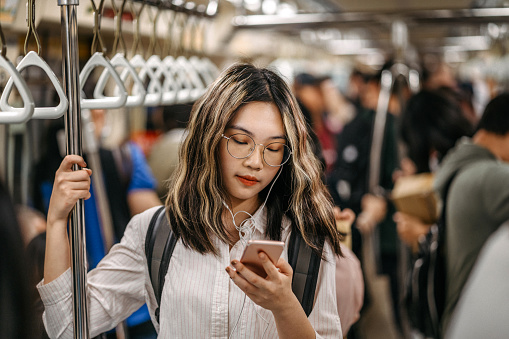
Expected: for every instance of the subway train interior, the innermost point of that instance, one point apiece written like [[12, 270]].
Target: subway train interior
[[399, 105]]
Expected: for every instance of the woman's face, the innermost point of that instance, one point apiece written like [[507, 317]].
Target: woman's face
[[245, 178]]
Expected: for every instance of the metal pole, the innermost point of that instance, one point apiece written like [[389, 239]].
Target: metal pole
[[70, 74]]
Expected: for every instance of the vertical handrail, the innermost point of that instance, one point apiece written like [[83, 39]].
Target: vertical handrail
[[382, 108], [369, 240], [71, 81]]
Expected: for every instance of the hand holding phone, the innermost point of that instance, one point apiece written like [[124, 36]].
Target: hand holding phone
[[250, 259]]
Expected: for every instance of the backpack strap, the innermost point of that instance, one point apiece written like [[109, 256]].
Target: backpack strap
[[305, 264], [437, 270], [159, 245]]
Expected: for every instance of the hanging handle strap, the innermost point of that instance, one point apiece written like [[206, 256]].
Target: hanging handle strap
[[119, 38], [209, 67], [4, 44], [31, 27], [33, 59], [18, 115], [171, 86], [120, 61], [97, 41], [136, 24], [198, 59], [153, 47], [154, 90], [23, 114], [169, 90], [96, 60], [191, 73]]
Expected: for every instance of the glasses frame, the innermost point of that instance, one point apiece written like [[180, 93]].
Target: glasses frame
[[253, 149]]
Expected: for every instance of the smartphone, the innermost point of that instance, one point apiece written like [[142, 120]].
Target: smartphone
[[250, 258]]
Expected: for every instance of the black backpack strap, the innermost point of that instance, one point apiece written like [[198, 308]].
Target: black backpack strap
[[159, 244], [305, 264]]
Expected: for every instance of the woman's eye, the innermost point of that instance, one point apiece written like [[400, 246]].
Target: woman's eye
[[240, 142], [274, 149]]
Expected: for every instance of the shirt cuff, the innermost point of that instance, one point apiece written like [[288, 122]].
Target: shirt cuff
[[57, 290]]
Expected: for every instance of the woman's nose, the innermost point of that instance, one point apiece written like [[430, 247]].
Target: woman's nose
[[255, 160]]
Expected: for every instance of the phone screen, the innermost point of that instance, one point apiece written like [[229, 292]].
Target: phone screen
[[250, 258]]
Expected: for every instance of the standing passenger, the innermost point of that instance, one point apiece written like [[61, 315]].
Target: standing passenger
[[477, 198], [431, 124], [246, 171]]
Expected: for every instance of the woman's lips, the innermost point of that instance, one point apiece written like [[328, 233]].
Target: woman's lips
[[247, 180]]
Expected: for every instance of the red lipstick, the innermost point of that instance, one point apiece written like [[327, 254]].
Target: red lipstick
[[247, 180]]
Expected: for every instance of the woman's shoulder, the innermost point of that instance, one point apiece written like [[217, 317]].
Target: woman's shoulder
[[142, 220]]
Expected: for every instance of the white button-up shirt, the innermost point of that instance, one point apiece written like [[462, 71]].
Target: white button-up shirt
[[199, 300]]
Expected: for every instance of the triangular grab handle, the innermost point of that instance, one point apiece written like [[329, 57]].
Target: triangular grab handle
[[186, 87], [155, 90], [18, 115], [169, 86], [138, 92], [213, 69], [98, 59], [172, 84], [197, 83], [202, 67], [33, 59]]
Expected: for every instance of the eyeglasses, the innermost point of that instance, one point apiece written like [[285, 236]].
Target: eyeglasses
[[241, 146]]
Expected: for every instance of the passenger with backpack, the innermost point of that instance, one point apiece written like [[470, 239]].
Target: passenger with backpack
[[246, 171], [477, 197]]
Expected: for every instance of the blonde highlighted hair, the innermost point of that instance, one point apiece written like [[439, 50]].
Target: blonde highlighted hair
[[194, 203]]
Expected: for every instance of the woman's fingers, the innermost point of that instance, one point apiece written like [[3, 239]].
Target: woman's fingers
[[271, 292], [70, 160], [69, 187], [246, 273], [269, 267], [240, 274]]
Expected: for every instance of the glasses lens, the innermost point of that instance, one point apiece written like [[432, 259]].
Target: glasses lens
[[276, 154], [240, 145]]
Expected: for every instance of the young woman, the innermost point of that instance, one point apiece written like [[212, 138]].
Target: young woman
[[246, 171]]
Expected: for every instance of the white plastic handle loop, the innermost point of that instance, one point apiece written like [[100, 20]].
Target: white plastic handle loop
[[154, 90], [172, 68], [33, 59], [201, 66], [118, 60], [17, 115], [171, 88], [212, 68], [197, 87], [184, 93], [169, 85], [98, 59]]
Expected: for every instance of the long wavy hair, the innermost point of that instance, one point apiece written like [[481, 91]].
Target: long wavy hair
[[196, 193]]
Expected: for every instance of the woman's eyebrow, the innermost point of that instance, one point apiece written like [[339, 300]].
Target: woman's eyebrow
[[237, 127]]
